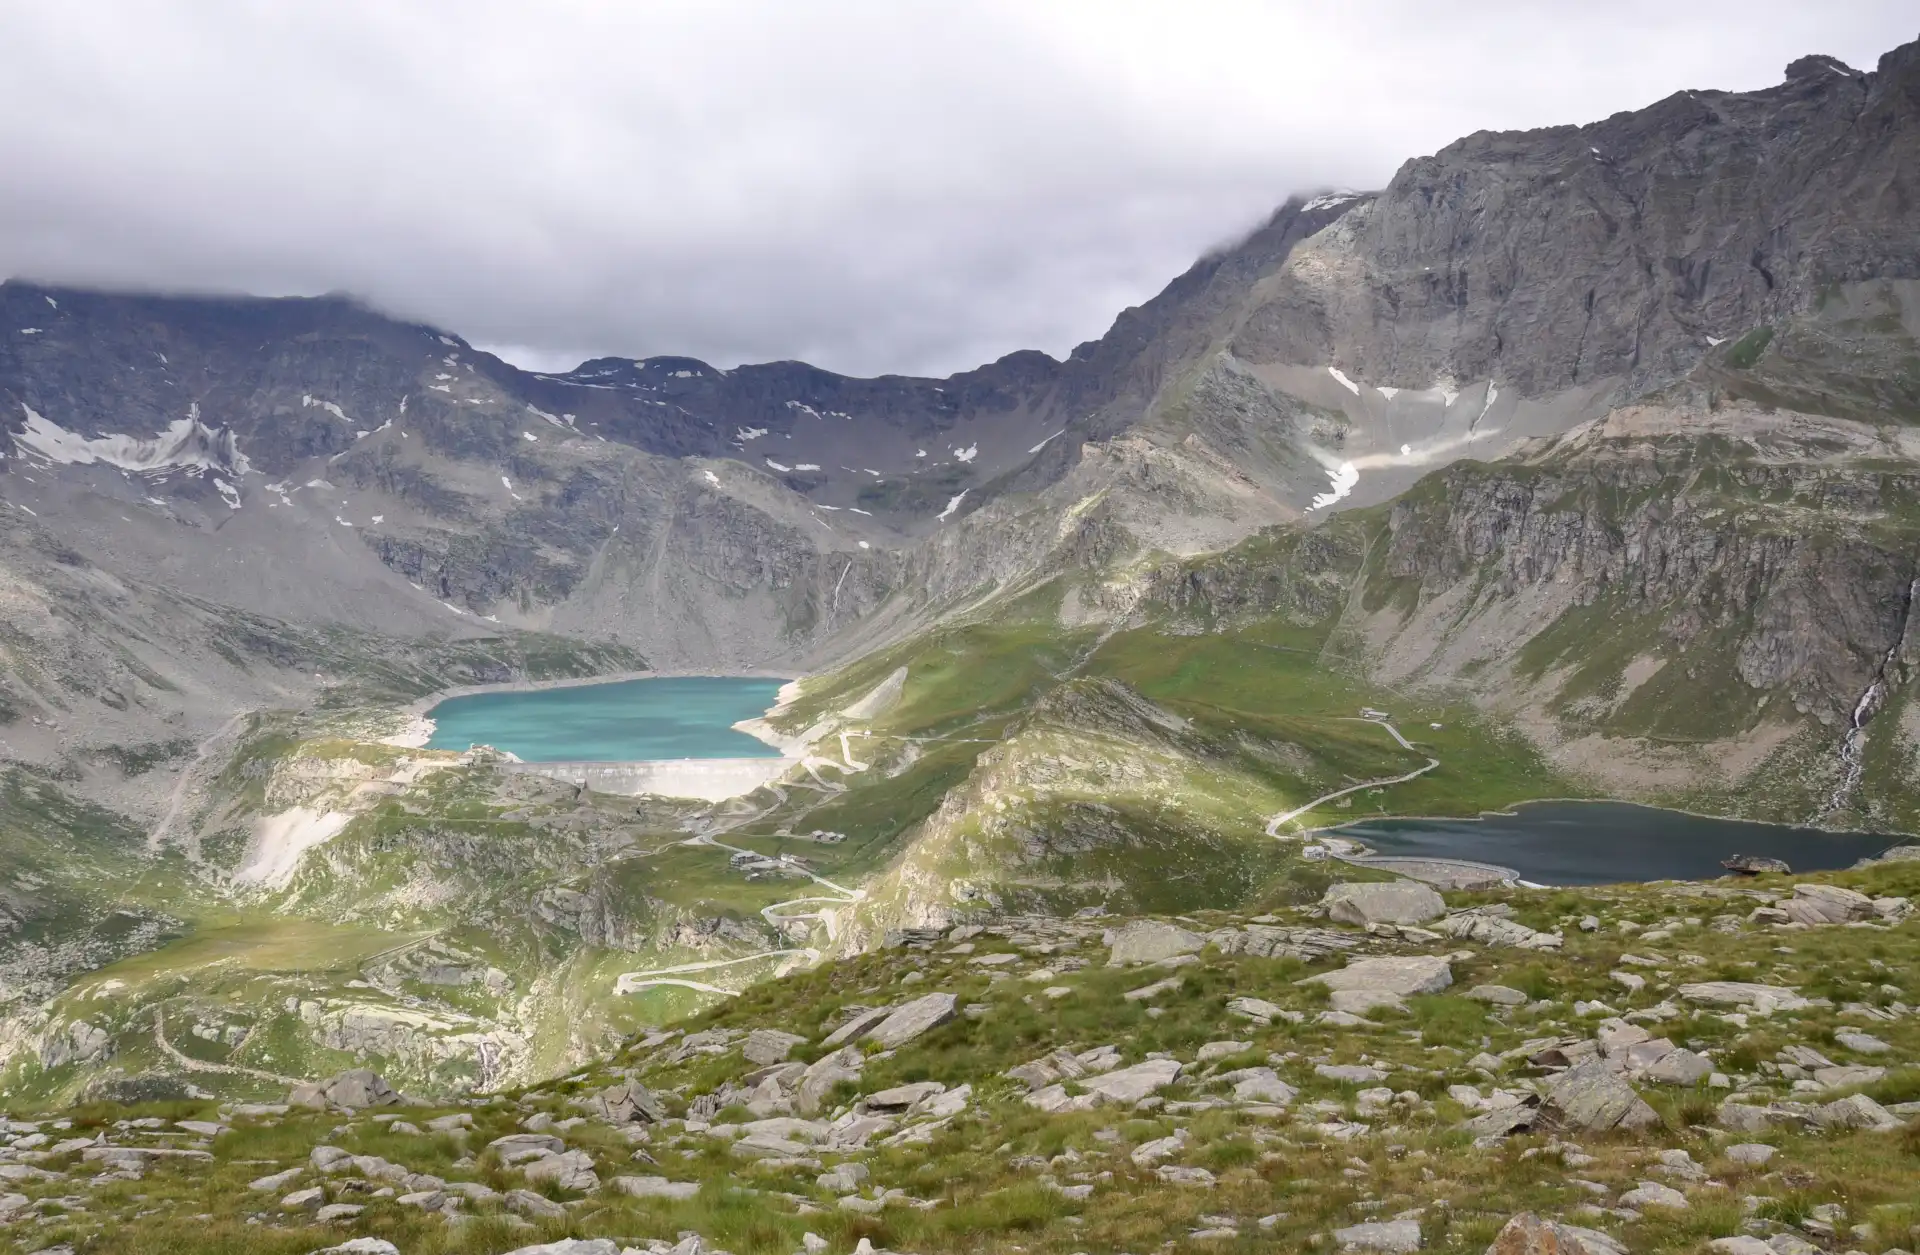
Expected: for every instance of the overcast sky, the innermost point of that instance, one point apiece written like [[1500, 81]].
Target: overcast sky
[[903, 185]]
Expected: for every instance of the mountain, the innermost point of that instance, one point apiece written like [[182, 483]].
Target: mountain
[[1586, 450]]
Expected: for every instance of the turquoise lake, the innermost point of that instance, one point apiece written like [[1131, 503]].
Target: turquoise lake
[[624, 721]]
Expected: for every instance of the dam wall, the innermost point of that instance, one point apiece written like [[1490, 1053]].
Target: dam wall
[[709, 779]]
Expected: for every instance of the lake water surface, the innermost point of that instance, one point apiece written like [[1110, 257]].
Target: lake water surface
[[1591, 843], [622, 721]]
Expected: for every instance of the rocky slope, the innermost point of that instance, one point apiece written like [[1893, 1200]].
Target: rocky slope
[[1587, 450]]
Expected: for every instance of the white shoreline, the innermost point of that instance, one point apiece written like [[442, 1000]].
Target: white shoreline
[[712, 779]]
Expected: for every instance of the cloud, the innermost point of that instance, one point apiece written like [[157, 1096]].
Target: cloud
[[869, 186]]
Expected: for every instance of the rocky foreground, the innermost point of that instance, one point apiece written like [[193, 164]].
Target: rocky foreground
[[1727, 1067]]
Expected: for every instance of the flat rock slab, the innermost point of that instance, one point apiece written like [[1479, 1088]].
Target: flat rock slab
[[1399, 975], [1592, 1096], [1150, 941], [1764, 999], [1130, 1085], [1528, 1234], [910, 1021], [1394, 902], [656, 1187], [1390, 1237], [766, 1046]]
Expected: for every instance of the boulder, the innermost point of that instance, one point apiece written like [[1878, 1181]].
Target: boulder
[[1528, 1234], [1855, 1111], [1258, 1010], [538, 1206], [1750, 1154], [656, 1187], [1388, 1237], [1395, 902], [1490, 929], [768, 1046], [858, 1024], [913, 1019], [1678, 1066], [1150, 941], [1130, 1085], [355, 1089], [1497, 996], [1840, 1077], [1654, 1194], [1593, 1097], [1261, 1085], [570, 1246], [1349, 1073], [1762, 999], [362, 1246], [1400, 975], [571, 1170], [1740, 1244], [1743, 1117], [1862, 1043], [629, 1102], [823, 1074], [1827, 904], [1366, 1001]]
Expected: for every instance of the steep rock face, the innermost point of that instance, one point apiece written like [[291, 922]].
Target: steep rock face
[[1705, 553], [1546, 259]]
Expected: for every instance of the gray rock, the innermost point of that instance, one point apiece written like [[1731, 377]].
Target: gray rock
[[1259, 1085], [1743, 1117], [1390, 1237], [1401, 975], [656, 1187], [338, 1211], [1740, 1244], [1349, 1073], [1130, 1085], [767, 1046], [1679, 1066], [1528, 1234], [570, 1170], [361, 1246], [1395, 902], [1150, 941], [1751, 1154], [308, 1199], [1592, 1096], [1366, 1001], [1490, 929], [859, 1024], [1499, 996], [278, 1181], [823, 1074], [1179, 1174], [910, 1021], [1837, 1077], [538, 1206], [571, 1246], [514, 1145], [1147, 1154], [901, 1097], [629, 1102], [1855, 1111], [355, 1090], [1862, 1043], [1258, 1010], [1654, 1194], [1827, 904], [1764, 999]]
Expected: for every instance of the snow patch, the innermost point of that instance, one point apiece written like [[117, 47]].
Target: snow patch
[[342, 522], [328, 406], [967, 454], [187, 442], [1343, 381], [952, 505], [228, 492], [712, 478], [1328, 201], [749, 433], [919, 453], [1388, 393], [529, 436], [1714, 342], [1043, 443], [776, 466], [1343, 478], [30, 331], [278, 842], [806, 466]]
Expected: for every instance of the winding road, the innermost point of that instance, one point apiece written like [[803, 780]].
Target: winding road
[[178, 798], [775, 915], [192, 1064], [1273, 825]]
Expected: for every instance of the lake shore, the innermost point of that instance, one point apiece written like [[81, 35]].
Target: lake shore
[[419, 726]]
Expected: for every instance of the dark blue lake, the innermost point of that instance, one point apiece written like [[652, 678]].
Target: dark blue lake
[[623, 721], [1593, 843]]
